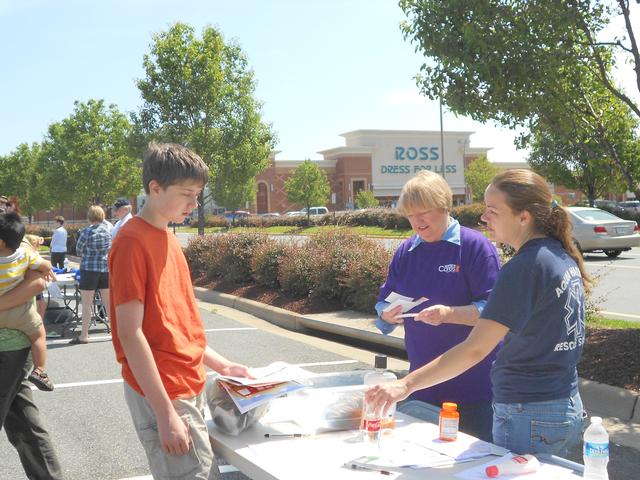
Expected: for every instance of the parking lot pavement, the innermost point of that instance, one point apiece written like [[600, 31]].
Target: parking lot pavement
[[88, 419]]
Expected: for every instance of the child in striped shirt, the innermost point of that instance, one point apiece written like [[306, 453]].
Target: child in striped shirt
[[15, 260]]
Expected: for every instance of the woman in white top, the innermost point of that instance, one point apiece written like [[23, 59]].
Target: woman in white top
[[58, 246]]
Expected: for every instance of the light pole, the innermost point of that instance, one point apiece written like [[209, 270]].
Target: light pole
[[441, 138]]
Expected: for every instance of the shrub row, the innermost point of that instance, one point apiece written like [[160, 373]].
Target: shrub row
[[468, 215], [332, 266]]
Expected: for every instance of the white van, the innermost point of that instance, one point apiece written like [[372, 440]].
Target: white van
[[315, 211]]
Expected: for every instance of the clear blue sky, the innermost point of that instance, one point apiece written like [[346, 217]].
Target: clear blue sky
[[323, 67]]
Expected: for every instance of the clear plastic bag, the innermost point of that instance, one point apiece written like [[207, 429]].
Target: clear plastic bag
[[226, 417]]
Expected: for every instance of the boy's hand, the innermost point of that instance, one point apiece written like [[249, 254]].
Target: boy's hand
[[174, 434], [238, 370], [48, 274]]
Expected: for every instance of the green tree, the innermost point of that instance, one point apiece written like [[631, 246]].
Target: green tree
[[478, 175], [199, 92], [520, 62], [366, 199], [307, 186], [86, 157], [21, 177]]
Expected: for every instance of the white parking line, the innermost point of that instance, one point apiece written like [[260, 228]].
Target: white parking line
[[612, 265], [119, 380], [108, 337], [629, 315]]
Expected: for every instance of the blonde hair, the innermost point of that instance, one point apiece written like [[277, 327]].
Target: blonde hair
[[526, 190], [425, 191], [34, 240], [95, 214]]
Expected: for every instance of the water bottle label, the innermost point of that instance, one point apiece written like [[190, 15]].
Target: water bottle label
[[596, 450]]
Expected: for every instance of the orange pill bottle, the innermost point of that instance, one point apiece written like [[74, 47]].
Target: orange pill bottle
[[449, 421]]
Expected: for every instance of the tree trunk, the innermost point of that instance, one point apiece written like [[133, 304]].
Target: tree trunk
[[201, 213]]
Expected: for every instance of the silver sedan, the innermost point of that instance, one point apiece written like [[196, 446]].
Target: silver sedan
[[595, 230]]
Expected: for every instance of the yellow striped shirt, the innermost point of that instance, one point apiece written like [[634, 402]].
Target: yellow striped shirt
[[14, 267]]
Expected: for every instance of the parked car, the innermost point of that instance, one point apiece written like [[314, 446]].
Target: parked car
[[232, 216], [293, 214], [630, 206], [595, 230], [269, 214], [315, 211]]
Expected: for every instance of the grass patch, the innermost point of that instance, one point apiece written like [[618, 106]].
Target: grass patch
[[603, 322]]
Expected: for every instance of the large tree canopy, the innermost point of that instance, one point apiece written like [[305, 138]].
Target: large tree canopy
[[22, 177], [86, 157], [199, 92], [527, 63]]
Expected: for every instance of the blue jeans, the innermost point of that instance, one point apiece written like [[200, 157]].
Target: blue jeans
[[475, 418], [551, 427]]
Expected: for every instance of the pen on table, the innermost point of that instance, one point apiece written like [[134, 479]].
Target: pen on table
[[286, 435], [356, 466]]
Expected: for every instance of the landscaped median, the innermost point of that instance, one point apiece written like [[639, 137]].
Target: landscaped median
[[338, 270]]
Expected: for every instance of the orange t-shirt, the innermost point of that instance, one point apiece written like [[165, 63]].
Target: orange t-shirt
[[147, 264]]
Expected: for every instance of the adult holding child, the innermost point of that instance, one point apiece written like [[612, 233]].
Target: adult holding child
[[93, 247], [454, 267], [537, 308]]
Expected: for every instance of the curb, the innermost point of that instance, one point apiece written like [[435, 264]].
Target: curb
[[606, 400]]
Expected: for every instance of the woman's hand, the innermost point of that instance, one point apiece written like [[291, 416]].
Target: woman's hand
[[434, 315], [393, 316], [382, 397]]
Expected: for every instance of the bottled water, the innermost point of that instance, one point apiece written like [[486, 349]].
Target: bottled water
[[596, 451], [372, 422], [67, 267]]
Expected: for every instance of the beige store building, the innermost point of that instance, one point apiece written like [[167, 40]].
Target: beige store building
[[377, 160]]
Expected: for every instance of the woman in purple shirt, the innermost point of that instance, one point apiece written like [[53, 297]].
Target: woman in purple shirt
[[455, 268]]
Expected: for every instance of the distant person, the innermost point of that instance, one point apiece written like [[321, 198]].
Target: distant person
[[93, 248], [537, 307], [35, 242], [15, 261], [455, 268], [122, 213], [58, 245], [158, 334]]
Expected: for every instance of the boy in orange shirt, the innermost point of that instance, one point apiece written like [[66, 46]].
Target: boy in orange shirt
[[158, 334]]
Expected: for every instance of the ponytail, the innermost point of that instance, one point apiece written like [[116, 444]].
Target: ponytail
[[559, 227]]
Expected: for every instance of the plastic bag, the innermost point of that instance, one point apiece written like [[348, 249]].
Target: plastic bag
[[226, 417]]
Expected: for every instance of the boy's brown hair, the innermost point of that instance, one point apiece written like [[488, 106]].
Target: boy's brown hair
[[170, 163]]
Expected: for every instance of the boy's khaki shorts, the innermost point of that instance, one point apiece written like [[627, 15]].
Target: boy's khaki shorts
[[198, 463], [24, 318]]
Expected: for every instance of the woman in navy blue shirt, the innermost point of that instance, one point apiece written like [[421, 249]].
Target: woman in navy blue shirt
[[537, 307]]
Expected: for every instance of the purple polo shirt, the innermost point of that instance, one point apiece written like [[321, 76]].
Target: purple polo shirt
[[458, 271]]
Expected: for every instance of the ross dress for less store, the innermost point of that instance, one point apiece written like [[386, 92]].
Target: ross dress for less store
[[378, 160]]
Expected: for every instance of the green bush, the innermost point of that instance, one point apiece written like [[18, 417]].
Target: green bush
[[265, 263], [468, 215], [331, 253], [295, 270], [365, 274], [235, 259], [204, 254]]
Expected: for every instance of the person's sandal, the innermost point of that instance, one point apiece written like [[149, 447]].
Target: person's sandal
[[41, 380]]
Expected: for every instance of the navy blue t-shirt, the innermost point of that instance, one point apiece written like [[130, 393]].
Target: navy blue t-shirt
[[539, 296]]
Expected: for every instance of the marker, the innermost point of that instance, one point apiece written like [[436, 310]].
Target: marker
[[407, 315], [355, 466], [286, 435]]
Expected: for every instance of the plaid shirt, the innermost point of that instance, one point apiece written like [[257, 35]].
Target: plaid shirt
[[93, 246]]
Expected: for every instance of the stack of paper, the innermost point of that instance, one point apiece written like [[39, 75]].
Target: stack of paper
[[407, 303], [270, 382]]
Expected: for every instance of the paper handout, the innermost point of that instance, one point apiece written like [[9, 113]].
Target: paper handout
[[407, 303], [277, 372]]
